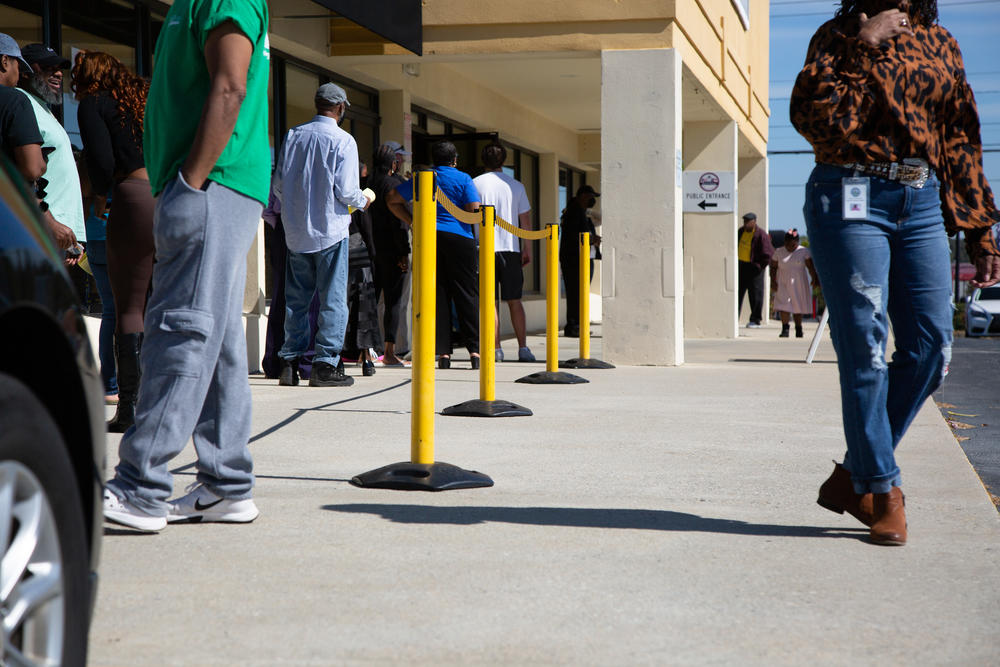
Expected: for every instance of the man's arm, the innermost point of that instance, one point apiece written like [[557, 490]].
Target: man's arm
[[227, 56], [30, 161], [472, 207]]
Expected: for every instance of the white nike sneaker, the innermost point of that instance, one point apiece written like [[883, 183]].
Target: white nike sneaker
[[201, 504], [121, 511]]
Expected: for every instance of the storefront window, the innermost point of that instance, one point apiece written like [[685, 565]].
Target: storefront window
[[24, 27], [300, 91]]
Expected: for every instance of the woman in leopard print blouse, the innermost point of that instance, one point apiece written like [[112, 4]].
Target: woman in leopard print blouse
[[884, 102]]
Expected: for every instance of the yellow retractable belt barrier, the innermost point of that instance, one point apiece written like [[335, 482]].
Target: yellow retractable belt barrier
[[584, 360], [422, 472], [487, 405], [551, 375]]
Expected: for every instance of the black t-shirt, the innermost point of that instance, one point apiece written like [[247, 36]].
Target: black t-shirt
[[18, 126]]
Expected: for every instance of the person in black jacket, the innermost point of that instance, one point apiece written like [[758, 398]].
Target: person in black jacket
[[362, 299], [391, 244], [575, 222], [111, 112], [755, 250]]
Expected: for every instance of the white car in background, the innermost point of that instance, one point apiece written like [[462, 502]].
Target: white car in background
[[982, 312]]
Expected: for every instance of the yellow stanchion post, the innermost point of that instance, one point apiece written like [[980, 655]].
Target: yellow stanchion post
[[552, 374], [584, 282], [584, 360], [487, 405], [421, 472]]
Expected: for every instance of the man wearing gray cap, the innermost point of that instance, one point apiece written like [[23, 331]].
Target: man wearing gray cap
[[20, 139], [316, 179]]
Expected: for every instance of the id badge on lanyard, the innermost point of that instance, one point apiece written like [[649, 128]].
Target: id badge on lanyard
[[855, 196]]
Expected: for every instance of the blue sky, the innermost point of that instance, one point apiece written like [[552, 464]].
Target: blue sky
[[974, 23]]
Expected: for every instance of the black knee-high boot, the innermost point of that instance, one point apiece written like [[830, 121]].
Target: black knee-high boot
[[127, 348]]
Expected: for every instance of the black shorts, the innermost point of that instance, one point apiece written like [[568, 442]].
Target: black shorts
[[509, 275]]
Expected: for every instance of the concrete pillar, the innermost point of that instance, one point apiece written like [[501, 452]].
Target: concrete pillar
[[643, 286], [394, 111], [710, 262], [752, 185], [253, 302]]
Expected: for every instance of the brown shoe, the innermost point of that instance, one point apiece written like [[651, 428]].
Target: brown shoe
[[889, 526], [837, 495]]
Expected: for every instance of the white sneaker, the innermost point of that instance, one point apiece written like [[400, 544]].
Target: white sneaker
[[121, 511], [498, 355], [200, 504], [524, 354]]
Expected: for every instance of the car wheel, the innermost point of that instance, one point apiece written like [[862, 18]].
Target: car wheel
[[44, 597]]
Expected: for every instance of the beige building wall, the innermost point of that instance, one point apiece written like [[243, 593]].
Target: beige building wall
[[534, 72]]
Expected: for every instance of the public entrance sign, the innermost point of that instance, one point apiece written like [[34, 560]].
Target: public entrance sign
[[709, 191]]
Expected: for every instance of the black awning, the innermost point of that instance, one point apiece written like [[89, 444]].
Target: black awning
[[400, 21]]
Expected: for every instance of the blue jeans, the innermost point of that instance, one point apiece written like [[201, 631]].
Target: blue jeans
[[893, 267], [106, 341], [324, 273], [194, 351]]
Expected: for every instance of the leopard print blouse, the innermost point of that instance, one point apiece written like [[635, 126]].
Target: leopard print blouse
[[909, 98]]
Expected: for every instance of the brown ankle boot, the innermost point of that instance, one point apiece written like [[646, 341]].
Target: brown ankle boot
[[889, 525], [837, 495]]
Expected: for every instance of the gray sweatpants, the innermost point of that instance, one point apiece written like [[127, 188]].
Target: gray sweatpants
[[194, 359]]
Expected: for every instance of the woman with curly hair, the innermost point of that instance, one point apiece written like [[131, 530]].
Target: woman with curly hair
[[110, 115], [884, 101]]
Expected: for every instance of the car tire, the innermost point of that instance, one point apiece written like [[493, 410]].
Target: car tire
[[44, 594]]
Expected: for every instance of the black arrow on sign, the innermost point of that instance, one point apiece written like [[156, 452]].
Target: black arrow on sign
[[704, 204]]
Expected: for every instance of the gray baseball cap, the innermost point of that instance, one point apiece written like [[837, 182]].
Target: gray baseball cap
[[397, 148], [332, 93], [9, 47]]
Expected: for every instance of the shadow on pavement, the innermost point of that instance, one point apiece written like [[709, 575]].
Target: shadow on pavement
[[578, 517]]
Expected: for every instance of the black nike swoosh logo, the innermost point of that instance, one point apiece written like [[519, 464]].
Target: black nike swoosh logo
[[201, 508]]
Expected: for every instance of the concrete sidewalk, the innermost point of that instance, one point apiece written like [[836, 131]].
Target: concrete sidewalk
[[652, 516]]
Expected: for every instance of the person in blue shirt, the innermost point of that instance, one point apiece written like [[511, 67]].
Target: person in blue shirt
[[457, 256]]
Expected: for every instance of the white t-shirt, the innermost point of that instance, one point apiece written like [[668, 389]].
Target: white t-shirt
[[508, 196]]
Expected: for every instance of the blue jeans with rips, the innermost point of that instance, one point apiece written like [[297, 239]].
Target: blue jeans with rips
[[324, 273], [892, 267]]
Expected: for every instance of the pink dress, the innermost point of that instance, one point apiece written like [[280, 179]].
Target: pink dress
[[794, 293]]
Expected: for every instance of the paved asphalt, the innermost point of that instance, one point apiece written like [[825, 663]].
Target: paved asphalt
[[969, 400]]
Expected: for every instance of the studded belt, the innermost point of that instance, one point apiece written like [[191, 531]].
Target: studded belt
[[912, 171]]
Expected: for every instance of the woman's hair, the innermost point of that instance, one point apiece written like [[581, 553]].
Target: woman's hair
[[95, 71], [924, 12], [443, 153]]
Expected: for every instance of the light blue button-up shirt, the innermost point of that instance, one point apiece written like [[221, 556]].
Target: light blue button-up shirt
[[316, 179]]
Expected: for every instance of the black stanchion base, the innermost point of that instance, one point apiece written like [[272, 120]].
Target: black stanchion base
[[406, 476], [480, 408], [549, 377], [585, 363]]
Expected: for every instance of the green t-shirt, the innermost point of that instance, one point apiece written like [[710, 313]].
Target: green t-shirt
[[181, 84]]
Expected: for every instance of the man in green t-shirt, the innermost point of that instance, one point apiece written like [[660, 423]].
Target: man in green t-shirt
[[211, 176]]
